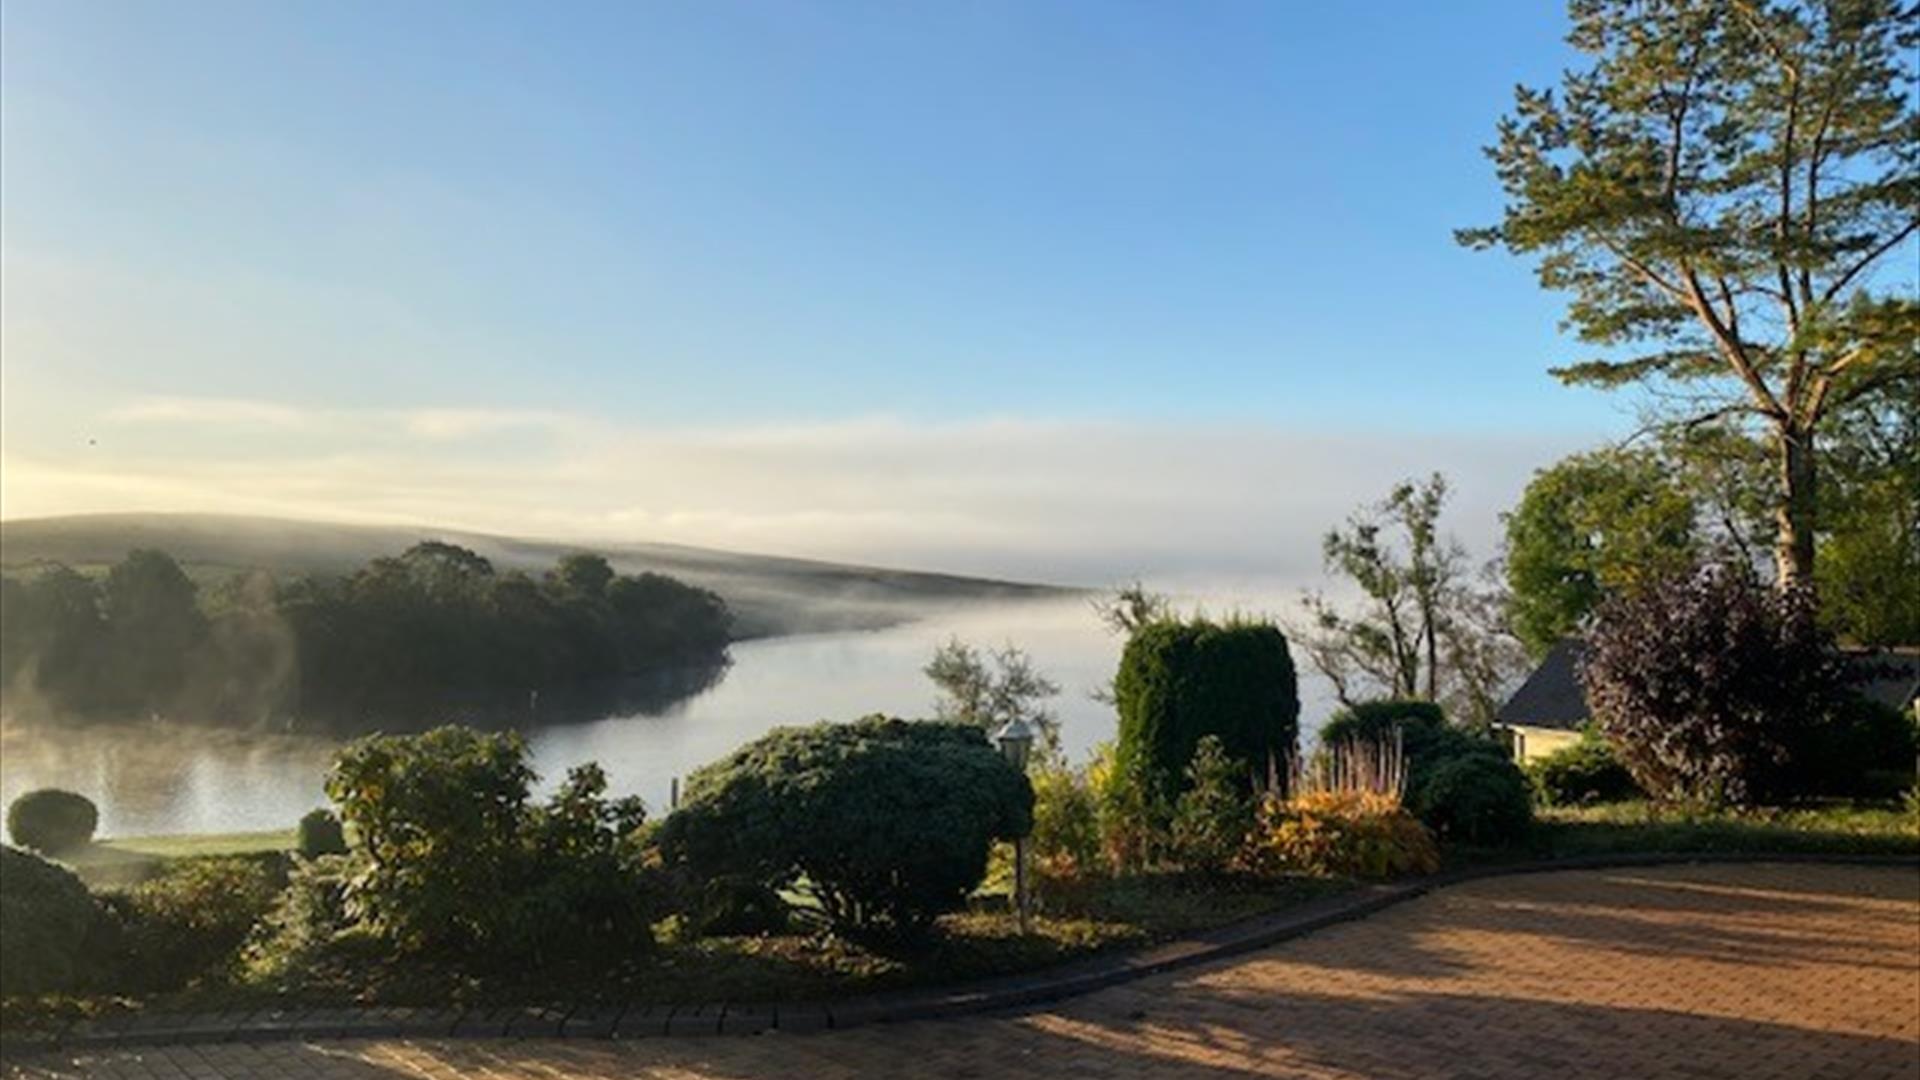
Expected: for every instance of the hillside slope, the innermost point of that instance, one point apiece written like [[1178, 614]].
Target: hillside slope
[[768, 594]]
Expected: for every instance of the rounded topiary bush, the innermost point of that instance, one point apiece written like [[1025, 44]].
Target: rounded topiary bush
[[1180, 681], [49, 926], [52, 821], [1474, 799], [888, 822], [321, 834], [1587, 771]]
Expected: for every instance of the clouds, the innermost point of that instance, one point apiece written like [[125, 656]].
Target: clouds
[[1065, 500]]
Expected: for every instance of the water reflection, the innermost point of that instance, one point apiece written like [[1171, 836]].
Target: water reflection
[[160, 778]]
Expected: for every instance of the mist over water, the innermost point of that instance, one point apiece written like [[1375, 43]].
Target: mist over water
[[154, 778]]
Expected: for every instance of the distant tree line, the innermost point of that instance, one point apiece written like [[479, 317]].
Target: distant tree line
[[434, 623]]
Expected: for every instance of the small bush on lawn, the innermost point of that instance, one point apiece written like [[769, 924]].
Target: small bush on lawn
[[190, 922], [1340, 834], [888, 822], [321, 834], [309, 914], [458, 860], [1179, 681], [1213, 816], [1584, 772], [1477, 799], [51, 928], [52, 822], [1709, 684], [1065, 844], [1134, 823], [1441, 787]]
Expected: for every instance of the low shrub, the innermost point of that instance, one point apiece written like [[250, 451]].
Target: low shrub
[[1340, 834], [1479, 799], [190, 923], [1065, 844], [1134, 822], [52, 821], [1212, 817], [730, 907], [51, 928], [887, 822], [456, 859], [1865, 750], [321, 834], [306, 918], [1587, 771]]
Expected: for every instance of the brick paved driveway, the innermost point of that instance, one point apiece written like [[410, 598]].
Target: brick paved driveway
[[1740, 971]]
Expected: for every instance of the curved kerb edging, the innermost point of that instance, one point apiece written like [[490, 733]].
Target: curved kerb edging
[[1003, 994]]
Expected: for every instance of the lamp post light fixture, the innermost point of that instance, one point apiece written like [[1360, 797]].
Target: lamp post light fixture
[[1016, 742]]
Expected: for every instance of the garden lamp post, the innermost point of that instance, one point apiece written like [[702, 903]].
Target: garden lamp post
[[1016, 742]]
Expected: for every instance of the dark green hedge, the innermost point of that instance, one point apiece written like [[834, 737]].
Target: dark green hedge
[[1180, 681]]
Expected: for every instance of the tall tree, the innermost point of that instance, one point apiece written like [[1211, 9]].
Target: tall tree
[[1716, 191], [1588, 524]]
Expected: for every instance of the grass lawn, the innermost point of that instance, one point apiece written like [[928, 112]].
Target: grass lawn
[[117, 862], [1840, 828]]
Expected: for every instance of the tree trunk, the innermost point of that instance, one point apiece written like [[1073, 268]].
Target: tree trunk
[[1794, 509]]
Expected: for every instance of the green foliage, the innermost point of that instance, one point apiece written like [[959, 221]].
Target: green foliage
[[50, 927], [989, 690], [1868, 567], [1865, 749], [1479, 799], [1444, 763], [1212, 817], [887, 822], [1340, 834], [457, 859], [190, 922], [52, 821], [1715, 189], [1591, 523], [310, 913], [1710, 684], [321, 834], [1181, 681], [1066, 841], [1587, 771]]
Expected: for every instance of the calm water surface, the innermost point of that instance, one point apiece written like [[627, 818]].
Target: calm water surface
[[156, 778]]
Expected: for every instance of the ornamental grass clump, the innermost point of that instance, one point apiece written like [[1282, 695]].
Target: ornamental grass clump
[[1340, 815]]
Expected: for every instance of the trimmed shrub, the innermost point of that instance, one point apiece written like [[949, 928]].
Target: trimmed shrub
[[1451, 807], [1213, 816], [1587, 771], [50, 927], [51, 821], [1474, 799], [1340, 834], [888, 822], [1709, 683], [1866, 750], [321, 834], [190, 922], [457, 860], [1179, 681]]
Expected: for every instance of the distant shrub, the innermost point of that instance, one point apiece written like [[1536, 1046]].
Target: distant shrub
[[1340, 834], [52, 821], [1865, 750], [1179, 681], [305, 919], [1587, 771], [1432, 745], [50, 927], [321, 834], [888, 822], [190, 922], [1474, 799], [1212, 817], [458, 860], [1708, 683], [1065, 844]]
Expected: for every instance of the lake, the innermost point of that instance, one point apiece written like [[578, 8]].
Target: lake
[[160, 778]]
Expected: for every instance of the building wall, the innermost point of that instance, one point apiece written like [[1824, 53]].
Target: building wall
[[1533, 742]]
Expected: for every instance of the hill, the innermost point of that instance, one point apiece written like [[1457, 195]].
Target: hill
[[769, 595]]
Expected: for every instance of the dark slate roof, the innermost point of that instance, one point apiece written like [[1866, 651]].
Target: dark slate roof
[[1552, 697]]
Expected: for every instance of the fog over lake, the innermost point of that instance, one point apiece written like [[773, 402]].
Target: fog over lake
[[158, 778]]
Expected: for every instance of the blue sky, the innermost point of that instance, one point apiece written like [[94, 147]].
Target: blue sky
[[293, 235]]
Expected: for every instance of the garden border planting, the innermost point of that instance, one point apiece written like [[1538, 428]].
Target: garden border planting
[[1001, 994]]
